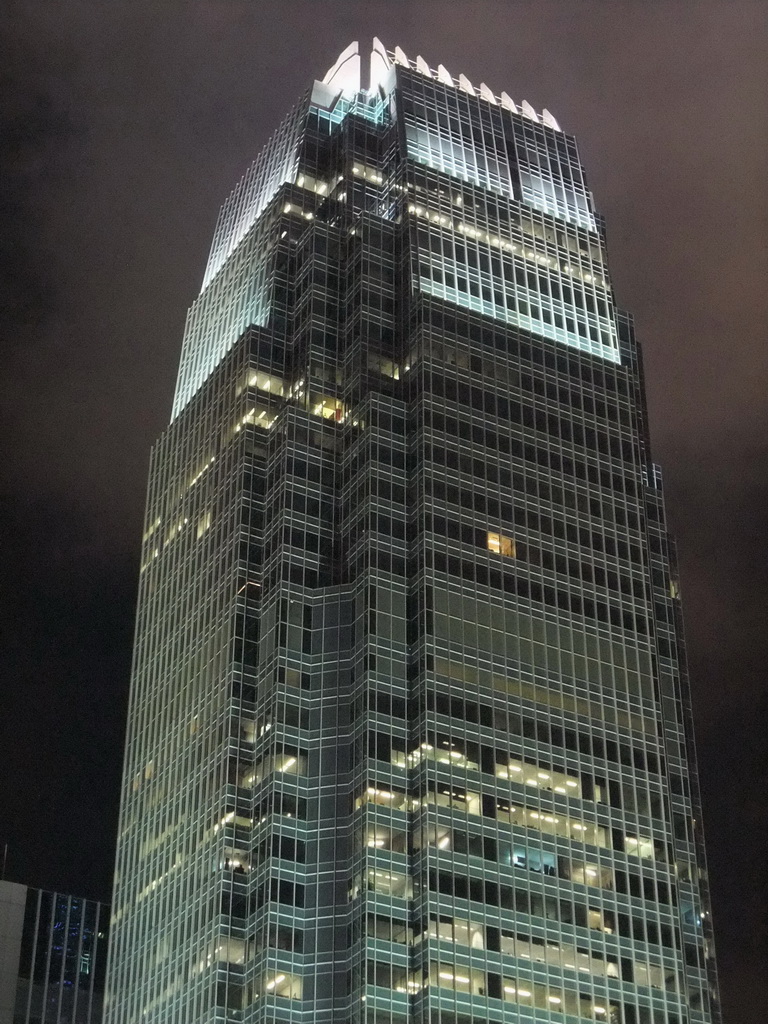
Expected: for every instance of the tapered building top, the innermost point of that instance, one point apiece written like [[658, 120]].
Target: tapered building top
[[233, 293]]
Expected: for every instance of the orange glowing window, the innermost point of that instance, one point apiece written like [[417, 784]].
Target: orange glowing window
[[501, 545]]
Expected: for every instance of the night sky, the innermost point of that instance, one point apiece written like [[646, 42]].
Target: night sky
[[125, 125]]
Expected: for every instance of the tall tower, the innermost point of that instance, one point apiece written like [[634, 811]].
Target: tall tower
[[409, 735]]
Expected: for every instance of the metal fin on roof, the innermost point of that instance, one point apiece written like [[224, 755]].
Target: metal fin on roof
[[444, 75], [466, 85], [509, 103], [345, 73], [423, 67]]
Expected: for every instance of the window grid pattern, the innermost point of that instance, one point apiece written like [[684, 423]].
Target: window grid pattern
[[470, 274], [407, 738], [63, 951]]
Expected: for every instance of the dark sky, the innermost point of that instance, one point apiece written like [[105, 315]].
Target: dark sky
[[125, 124]]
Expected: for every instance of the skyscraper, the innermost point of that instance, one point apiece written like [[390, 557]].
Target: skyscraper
[[409, 735]]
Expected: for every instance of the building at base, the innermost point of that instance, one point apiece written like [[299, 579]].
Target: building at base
[[53, 956]]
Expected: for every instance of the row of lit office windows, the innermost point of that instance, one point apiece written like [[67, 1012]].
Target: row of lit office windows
[[517, 943], [464, 755], [467, 981], [457, 845], [469, 756], [472, 981]]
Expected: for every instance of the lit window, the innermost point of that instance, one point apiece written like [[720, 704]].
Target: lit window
[[289, 986], [639, 846], [501, 545]]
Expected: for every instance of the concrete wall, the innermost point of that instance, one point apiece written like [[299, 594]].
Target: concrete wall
[[13, 898]]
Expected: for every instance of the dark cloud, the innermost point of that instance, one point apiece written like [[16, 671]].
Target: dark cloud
[[125, 125]]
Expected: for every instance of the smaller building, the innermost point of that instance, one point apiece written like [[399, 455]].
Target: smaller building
[[53, 953]]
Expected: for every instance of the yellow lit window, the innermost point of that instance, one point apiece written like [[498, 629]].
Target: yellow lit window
[[501, 545]]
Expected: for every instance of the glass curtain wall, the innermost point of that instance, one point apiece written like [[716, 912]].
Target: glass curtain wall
[[409, 736]]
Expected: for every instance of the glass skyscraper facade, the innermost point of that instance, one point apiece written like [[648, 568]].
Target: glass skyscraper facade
[[53, 957], [409, 735]]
